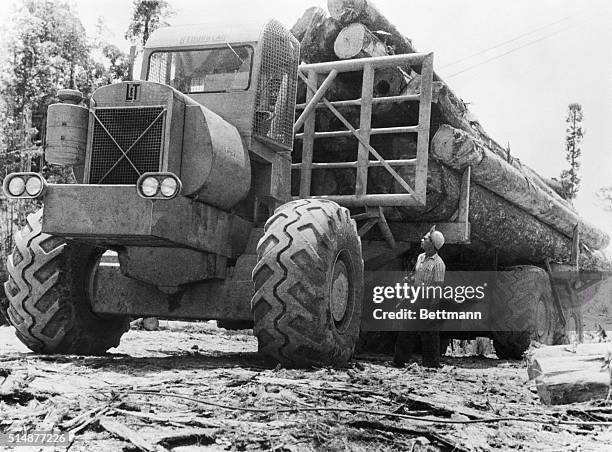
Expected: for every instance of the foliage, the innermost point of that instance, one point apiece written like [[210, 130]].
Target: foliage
[[148, 15], [46, 49], [570, 179], [119, 63]]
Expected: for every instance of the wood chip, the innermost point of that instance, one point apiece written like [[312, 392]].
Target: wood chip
[[121, 431]]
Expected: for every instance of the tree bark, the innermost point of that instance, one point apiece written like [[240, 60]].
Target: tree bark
[[317, 44], [448, 108], [518, 236], [458, 150], [563, 376], [311, 18]]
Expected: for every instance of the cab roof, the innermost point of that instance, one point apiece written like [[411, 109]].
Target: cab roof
[[212, 33]]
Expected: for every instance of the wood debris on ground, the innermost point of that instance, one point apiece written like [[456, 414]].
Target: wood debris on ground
[[222, 395]]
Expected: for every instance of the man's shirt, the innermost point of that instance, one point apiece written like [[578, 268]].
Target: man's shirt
[[429, 270]]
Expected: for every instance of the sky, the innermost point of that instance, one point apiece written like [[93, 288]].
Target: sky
[[521, 63]]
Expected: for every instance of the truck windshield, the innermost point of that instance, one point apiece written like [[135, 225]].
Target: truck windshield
[[221, 69]]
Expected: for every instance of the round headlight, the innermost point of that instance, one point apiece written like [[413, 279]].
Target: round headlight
[[149, 186], [33, 186], [169, 186], [16, 186]]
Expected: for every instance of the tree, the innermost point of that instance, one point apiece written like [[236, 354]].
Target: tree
[[113, 65], [119, 63], [570, 179], [46, 48], [148, 15]]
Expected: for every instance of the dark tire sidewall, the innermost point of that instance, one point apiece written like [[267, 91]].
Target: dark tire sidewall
[[50, 294], [516, 319], [292, 309]]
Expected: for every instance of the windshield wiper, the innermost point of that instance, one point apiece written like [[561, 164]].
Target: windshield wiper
[[234, 52]]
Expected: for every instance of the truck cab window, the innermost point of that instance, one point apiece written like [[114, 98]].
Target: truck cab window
[[222, 69]]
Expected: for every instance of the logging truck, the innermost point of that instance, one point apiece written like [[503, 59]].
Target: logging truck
[[221, 205]]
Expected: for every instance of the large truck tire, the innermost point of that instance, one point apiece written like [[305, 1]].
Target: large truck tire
[[47, 290], [523, 310], [308, 285]]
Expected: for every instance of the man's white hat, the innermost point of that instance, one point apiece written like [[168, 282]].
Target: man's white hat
[[437, 238]]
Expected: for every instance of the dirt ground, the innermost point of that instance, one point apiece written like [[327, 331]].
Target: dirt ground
[[192, 387]]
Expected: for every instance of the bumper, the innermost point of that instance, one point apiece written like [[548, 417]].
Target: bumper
[[115, 215]]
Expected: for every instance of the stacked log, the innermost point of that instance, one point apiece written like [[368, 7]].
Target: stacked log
[[458, 150], [317, 34], [364, 12], [511, 207]]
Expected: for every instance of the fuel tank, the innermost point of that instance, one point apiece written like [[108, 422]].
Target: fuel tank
[[215, 166], [67, 130]]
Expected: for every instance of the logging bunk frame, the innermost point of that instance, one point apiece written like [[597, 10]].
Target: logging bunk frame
[[413, 196]]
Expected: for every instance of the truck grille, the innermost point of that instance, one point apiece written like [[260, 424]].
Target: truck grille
[[126, 143]]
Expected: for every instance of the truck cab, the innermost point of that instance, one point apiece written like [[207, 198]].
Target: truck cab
[[247, 75]]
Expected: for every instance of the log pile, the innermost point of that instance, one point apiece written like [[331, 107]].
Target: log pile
[[511, 207], [568, 374]]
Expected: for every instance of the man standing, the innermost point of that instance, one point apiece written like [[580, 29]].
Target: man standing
[[428, 271]]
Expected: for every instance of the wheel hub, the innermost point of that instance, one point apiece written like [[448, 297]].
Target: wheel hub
[[339, 296]]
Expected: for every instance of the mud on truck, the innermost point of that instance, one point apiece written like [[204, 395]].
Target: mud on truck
[[189, 175]]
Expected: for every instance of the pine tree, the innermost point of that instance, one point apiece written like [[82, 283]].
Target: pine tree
[[569, 177], [148, 15]]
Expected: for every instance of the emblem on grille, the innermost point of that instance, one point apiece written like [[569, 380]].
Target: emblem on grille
[[132, 93]]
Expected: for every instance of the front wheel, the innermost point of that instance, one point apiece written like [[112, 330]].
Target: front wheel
[[48, 295], [308, 285]]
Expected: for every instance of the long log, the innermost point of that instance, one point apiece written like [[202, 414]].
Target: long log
[[459, 150], [563, 375], [450, 109], [518, 236], [557, 186]]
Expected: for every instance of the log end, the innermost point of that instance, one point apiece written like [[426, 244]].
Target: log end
[[349, 42]]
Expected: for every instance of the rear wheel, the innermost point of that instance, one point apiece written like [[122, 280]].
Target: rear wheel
[[523, 310], [48, 295], [308, 285]]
